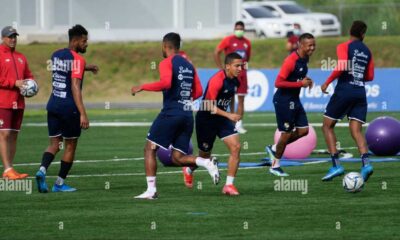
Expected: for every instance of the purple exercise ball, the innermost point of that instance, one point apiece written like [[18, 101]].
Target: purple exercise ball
[[165, 155], [383, 136]]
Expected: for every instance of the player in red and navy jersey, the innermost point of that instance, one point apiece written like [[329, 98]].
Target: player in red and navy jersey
[[180, 85], [213, 120], [66, 113], [14, 70], [355, 67], [241, 45], [290, 115]]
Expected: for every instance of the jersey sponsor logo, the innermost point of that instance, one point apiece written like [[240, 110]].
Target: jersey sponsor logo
[[185, 93], [59, 78], [257, 90], [20, 60], [60, 94], [1, 122], [186, 85], [7, 60], [59, 85]]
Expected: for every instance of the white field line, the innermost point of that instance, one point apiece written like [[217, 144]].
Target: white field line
[[130, 159], [148, 124], [138, 174]]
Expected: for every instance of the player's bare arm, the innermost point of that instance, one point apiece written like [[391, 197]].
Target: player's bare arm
[[77, 94], [92, 68]]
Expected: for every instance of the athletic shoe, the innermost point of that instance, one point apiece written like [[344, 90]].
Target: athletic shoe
[[278, 172], [212, 168], [63, 188], [240, 128], [11, 174], [187, 178], [333, 172], [367, 171], [41, 182], [147, 195], [270, 152], [230, 190]]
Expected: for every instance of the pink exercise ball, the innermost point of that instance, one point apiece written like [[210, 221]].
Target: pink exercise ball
[[301, 148]]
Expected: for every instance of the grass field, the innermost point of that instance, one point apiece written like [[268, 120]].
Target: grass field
[[98, 212]]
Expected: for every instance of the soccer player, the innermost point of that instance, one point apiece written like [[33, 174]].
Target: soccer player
[[355, 67], [241, 45], [213, 120], [13, 70], [66, 113], [290, 115], [174, 125]]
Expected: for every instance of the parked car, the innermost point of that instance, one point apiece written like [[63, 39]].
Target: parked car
[[263, 22], [318, 24]]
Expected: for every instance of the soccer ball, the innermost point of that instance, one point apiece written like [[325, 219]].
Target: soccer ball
[[30, 88], [353, 182]]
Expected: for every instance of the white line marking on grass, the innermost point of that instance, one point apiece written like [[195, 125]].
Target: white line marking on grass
[[148, 124], [138, 174], [129, 159]]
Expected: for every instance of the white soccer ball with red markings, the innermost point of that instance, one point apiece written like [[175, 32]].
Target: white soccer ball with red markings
[[353, 182], [30, 88]]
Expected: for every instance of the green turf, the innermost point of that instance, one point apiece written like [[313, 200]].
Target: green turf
[[94, 212]]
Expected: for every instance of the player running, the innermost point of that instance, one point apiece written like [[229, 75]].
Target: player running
[[355, 67], [241, 45], [213, 120], [66, 114], [174, 125], [14, 70], [290, 115]]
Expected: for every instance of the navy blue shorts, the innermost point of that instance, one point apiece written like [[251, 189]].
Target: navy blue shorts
[[342, 103], [289, 115], [172, 130], [67, 125], [208, 127]]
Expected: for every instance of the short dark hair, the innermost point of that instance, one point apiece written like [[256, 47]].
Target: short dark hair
[[76, 31], [305, 36], [174, 39], [239, 23], [358, 28], [232, 56]]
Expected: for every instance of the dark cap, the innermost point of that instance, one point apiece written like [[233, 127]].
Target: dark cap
[[8, 31]]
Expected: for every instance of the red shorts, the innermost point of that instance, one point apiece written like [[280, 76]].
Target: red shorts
[[11, 119], [242, 89]]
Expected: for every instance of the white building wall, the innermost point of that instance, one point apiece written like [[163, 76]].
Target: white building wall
[[120, 20]]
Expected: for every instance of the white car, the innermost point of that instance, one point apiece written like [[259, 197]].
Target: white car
[[263, 22], [318, 24]]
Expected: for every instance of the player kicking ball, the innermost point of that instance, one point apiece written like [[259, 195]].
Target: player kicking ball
[[213, 120], [66, 114], [174, 125], [290, 115]]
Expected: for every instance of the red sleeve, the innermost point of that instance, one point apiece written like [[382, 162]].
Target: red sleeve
[[223, 44], [287, 67], [197, 90], [342, 50], [248, 50], [370, 70], [78, 66], [214, 85], [165, 82]]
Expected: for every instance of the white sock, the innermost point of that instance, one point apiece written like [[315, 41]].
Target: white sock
[[276, 163], [274, 147], [8, 169], [202, 162], [229, 180], [59, 181], [42, 169], [151, 184]]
